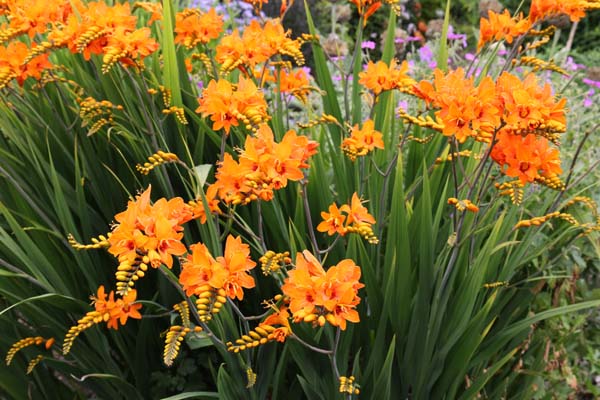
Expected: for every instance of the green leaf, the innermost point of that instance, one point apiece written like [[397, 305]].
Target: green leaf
[[193, 395]]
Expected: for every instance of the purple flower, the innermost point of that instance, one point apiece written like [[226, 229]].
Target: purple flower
[[470, 57], [306, 70], [368, 44], [591, 82], [407, 39], [571, 65], [403, 104], [426, 55], [457, 36], [587, 101]]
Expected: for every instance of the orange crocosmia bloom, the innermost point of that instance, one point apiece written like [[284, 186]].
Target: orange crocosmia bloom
[[525, 157], [295, 83], [528, 106], [228, 272], [150, 230], [193, 27], [362, 141], [357, 213], [333, 221], [11, 64], [256, 45], [501, 27], [199, 269], [211, 200], [263, 166], [115, 312], [225, 104], [154, 8], [378, 77], [126, 46], [366, 8], [237, 261], [464, 110], [34, 17], [575, 9], [280, 320], [318, 296]]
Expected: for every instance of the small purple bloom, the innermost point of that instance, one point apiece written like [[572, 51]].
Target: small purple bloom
[[457, 36], [368, 44], [306, 70], [591, 82], [587, 101], [426, 55], [403, 104], [470, 57], [407, 39]]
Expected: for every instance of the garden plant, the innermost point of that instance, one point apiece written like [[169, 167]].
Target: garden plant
[[194, 205]]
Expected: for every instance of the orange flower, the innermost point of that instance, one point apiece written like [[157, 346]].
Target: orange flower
[[529, 107], [362, 141], [357, 213], [333, 221], [280, 320], [150, 230], [229, 272], [464, 110], [125, 46], [227, 105], [295, 83], [501, 27], [357, 220], [11, 64], [378, 77], [575, 9], [318, 296], [256, 45], [199, 269], [366, 8], [526, 157], [154, 8], [263, 166], [115, 312], [193, 27]]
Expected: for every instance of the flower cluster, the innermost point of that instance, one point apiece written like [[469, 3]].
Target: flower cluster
[[356, 219], [106, 310], [529, 158], [194, 27], [575, 9], [464, 110], [521, 114], [13, 64], [295, 83], [229, 272], [147, 235], [98, 28], [502, 26], [379, 77], [228, 104], [320, 296], [92, 28], [263, 166], [256, 45], [362, 141]]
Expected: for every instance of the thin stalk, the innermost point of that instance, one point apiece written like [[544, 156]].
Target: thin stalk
[[311, 230], [309, 346]]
